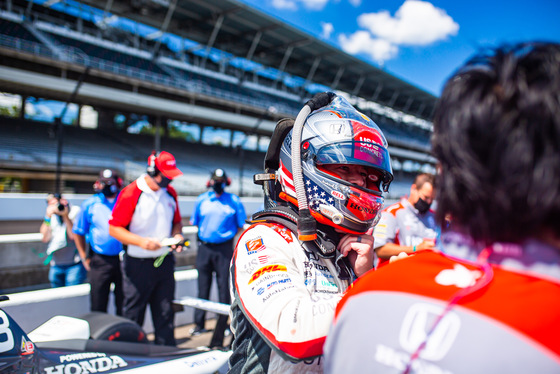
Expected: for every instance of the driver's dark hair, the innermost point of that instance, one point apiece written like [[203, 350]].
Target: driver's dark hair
[[497, 137]]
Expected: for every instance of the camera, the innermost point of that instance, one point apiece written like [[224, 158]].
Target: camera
[[60, 206]]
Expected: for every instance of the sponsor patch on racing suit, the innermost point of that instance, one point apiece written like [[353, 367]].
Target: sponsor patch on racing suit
[[284, 302]]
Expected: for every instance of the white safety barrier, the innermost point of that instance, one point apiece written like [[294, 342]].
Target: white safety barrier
[[30, 309]]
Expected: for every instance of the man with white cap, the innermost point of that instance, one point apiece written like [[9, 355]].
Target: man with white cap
[[146, 212]]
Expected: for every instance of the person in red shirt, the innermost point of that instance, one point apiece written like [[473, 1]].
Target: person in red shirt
[[146, 212], [490, 301]]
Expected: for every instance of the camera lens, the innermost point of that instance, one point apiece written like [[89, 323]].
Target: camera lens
[[60, 207]]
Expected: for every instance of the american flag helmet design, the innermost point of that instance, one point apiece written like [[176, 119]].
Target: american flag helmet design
[[339, 134]]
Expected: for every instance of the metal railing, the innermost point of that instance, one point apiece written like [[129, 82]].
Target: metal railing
[[188, 231]]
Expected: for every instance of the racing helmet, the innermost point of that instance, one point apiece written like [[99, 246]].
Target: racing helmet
[[337, 134]]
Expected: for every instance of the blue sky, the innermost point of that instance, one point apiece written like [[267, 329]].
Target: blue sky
[[421, 42]]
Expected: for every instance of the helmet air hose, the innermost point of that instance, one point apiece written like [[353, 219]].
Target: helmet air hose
[[307, 226]]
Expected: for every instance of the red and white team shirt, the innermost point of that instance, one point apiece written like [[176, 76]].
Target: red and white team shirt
[[498, 318], [402, 224], [146, 213]]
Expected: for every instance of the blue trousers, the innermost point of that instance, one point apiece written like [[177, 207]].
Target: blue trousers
[[67, 275]]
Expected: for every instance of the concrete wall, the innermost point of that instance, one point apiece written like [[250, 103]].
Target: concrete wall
[[20, 264], [31, 206], [21, 268]]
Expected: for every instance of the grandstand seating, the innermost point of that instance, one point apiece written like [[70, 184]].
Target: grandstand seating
[[264, 96], [32, 146], [205, 80], [86, 151], [13, 28], [108, 54]]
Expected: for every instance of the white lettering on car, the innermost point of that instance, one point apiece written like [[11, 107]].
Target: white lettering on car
[[95, 365]]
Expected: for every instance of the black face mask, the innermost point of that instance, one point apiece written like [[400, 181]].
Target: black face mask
[[422, 206], [164, 181], [218, 187], [109, 190]]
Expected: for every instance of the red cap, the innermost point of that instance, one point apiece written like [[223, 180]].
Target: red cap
[[165, 162]]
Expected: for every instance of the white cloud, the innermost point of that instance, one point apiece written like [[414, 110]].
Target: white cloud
[[314, 4], [362, 42], [285, 4], [327, 28], [294, 4], [415, 23]]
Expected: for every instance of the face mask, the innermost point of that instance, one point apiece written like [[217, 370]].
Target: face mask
[[164, 182], [218, 187], [109, 190], [422, 206]]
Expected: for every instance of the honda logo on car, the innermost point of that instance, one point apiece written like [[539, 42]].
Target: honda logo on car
[[95, 365]]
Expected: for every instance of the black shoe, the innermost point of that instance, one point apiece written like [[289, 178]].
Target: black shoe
[[197, 331]]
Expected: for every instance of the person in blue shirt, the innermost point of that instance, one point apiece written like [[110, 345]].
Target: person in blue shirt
[[102, 260], [219, 216]]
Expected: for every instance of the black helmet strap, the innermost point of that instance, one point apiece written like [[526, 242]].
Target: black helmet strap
[[271, 188], [272, 157]]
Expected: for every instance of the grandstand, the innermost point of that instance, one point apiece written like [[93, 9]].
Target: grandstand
[[236, 72]]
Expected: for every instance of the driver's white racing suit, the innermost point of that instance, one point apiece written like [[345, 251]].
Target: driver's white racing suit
[[284, 298]]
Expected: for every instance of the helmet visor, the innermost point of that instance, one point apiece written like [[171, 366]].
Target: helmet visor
[[359, 175], [357, 153], [364, 206]]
